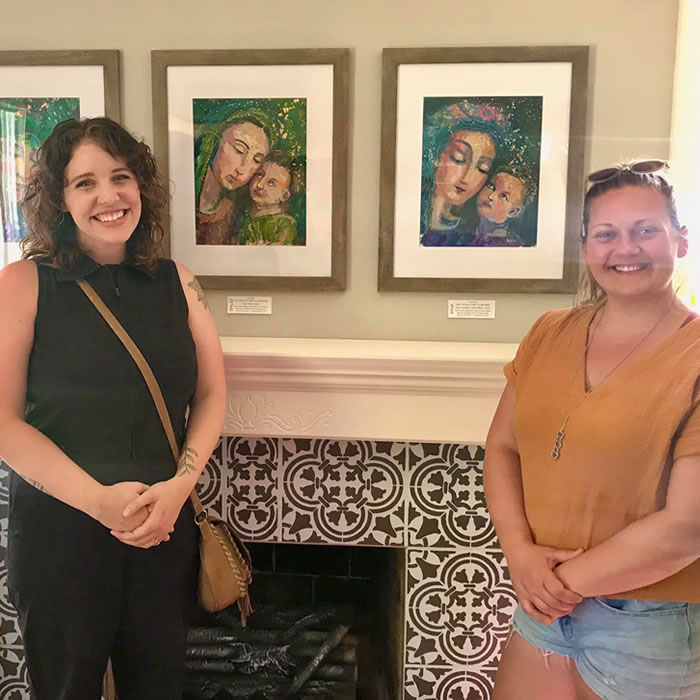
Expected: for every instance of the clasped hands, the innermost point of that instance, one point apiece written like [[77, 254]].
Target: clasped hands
[[540, 592], [140, 515]]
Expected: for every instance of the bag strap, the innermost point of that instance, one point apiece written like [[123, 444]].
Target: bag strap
[[199, 513]]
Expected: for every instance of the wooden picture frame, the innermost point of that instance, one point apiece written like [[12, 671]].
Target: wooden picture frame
[[526, 108], [291, 102]]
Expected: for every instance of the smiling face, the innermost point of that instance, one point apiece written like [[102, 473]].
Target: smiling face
[[270, 185], [103, 197], [632, 246], [502, 198], [242, 150], [464, 166]]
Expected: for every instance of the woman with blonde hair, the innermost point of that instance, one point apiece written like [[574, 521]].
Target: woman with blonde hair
[[592, 470]]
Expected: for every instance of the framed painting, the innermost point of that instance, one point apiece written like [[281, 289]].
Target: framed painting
[[482, 169], [255, 145], [39, 89]]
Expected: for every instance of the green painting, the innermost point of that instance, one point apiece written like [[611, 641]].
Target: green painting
[[250, 168], [480, 171], [25, 123]]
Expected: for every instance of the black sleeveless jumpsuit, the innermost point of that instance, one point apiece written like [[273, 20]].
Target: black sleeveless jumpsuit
[[81, 595]]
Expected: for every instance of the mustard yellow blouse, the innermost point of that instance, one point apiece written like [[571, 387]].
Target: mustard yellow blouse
[[620, 442]]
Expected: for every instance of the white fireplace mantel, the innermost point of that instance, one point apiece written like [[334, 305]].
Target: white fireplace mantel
[[363, 389]]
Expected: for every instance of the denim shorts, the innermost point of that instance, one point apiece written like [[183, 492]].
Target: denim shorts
[[626, 649]]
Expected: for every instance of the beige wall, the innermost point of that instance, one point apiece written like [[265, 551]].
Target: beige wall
[[629, 111]]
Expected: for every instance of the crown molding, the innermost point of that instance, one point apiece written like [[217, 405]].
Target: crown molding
[[363, 389]]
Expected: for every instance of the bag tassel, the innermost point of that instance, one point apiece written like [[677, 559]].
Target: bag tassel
[[245, 608]]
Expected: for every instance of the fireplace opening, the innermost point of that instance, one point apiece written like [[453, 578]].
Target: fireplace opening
[[328, 623]]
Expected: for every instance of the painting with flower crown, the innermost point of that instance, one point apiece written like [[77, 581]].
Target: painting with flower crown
[[25, 122], [480, 171], [482, 168]]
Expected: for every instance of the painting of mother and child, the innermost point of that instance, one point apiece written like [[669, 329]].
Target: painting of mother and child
[[480, 171], [250, 164]]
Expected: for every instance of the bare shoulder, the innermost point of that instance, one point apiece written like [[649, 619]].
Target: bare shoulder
[[19, 284], [20, 275], [19, 291], [184, 272], [190, 284]]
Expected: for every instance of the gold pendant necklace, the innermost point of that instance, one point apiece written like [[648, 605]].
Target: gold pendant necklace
[[561, 433]]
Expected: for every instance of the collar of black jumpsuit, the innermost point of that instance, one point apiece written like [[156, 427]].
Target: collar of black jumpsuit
[[86, 266]]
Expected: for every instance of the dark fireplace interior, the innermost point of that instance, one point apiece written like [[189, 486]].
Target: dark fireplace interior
[[328, 623]]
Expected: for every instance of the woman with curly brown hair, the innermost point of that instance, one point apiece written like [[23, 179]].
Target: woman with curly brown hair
[[102, 547]]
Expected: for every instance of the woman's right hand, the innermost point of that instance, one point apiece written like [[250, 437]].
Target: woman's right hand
[[540, 593], [111, 502]]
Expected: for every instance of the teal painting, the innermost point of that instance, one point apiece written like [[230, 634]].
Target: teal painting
[[480, 171], [25, 122]]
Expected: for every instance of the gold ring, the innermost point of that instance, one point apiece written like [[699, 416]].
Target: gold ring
[[156, 541]]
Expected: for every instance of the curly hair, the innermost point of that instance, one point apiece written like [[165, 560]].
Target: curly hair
[[590, 292], [51, 233]]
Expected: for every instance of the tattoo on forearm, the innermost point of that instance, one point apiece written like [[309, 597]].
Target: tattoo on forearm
[[200, 292], [186, 463], [36, 485]]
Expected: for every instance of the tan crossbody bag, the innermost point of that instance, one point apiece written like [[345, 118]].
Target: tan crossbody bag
[[225, 570]]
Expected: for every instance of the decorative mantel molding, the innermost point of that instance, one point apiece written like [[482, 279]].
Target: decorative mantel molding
[[363, 389]]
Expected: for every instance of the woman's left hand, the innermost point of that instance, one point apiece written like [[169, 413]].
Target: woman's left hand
[[164, 500]]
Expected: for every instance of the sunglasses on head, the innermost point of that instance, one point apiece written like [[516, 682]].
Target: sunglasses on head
[[642, 167]]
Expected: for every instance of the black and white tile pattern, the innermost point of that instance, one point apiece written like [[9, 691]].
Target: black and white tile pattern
[[209, 487], [252, 487], [446, 505], [446, 684], [426, 497], [13, 672], [343, 492], [458, 607]]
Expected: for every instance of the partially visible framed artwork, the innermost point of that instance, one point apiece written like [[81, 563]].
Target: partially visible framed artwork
[[255, 145], [39, 89], [482, 168]]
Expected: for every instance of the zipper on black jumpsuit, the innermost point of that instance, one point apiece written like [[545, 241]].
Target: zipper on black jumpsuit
[[115, 281]]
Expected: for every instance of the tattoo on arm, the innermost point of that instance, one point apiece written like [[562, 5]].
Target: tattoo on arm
[[36, 485], [186, 463], [200, 292]]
